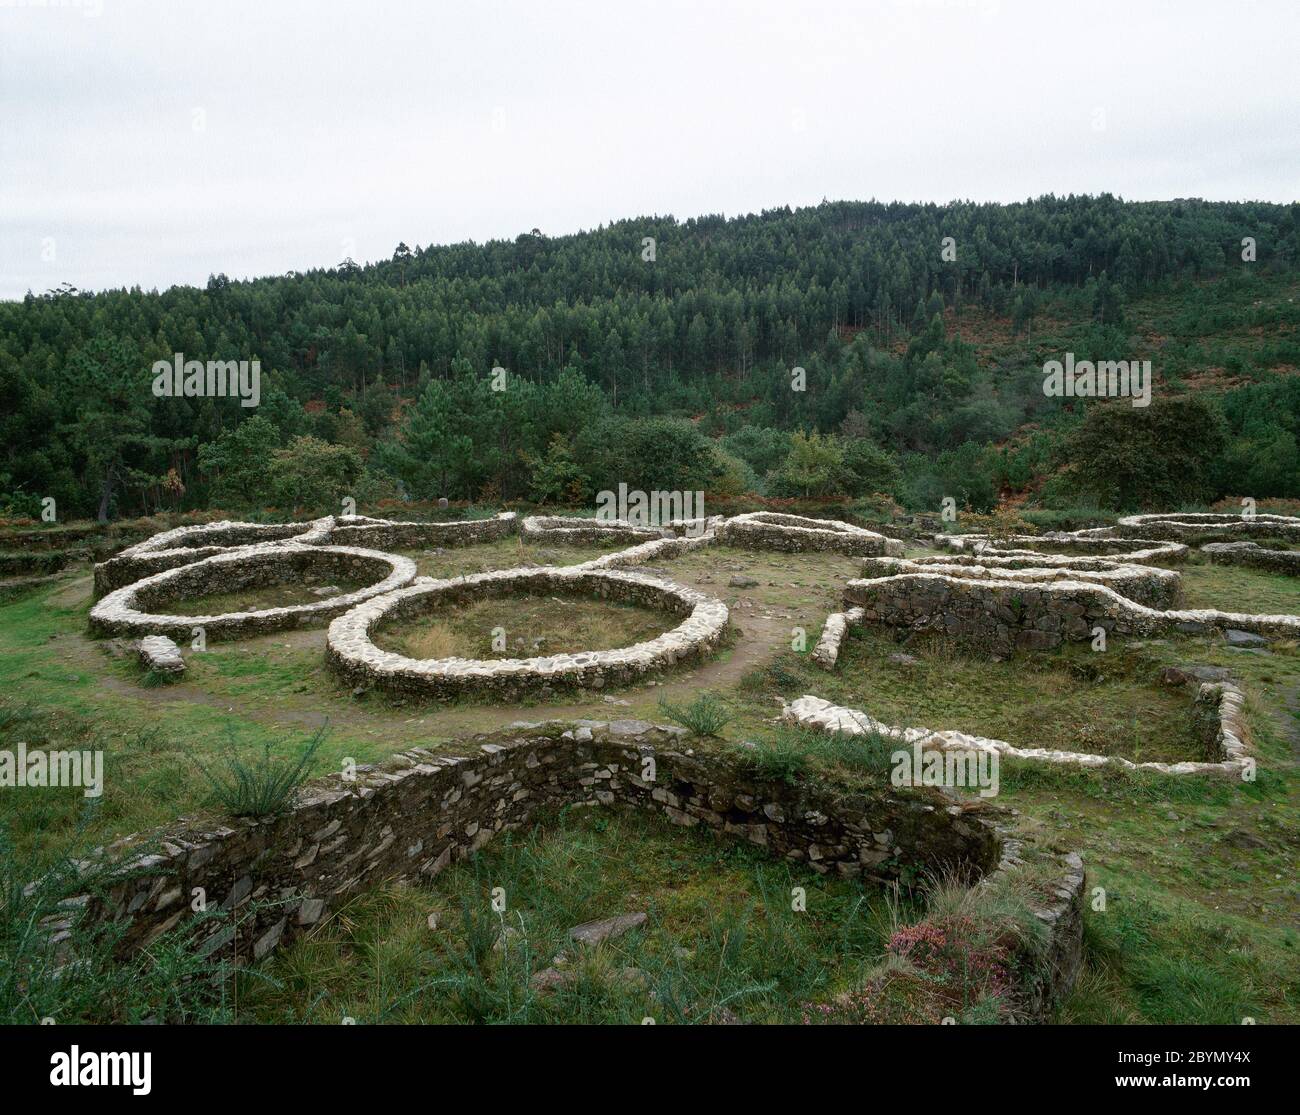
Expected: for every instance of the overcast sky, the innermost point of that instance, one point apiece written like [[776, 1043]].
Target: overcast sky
[[156, 142]]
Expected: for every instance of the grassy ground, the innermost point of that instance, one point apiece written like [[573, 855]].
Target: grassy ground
[[721, 943], [309, 590], [1201, 909], [522, 626], [504, 553], [1105, 704], [1233, 588]]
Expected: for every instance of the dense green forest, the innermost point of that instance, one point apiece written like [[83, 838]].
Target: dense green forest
[[664, 354]]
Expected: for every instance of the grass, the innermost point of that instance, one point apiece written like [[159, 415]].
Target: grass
[[1156, 962], [963, 962], [1199, 872], [1108, 704], [256, 599], [522, 626], [1234, 588], [723, 941], [82, 978], [267, 785], [791, 752], [706, 715], [503, 553]]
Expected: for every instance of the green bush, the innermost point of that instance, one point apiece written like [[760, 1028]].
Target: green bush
[[171, 982], [265, 787], [707, 715]]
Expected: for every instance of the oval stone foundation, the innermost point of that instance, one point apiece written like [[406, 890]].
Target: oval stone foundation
[[352, 651], [140, 608]]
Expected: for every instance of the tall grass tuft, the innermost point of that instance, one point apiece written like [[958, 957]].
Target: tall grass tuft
[[265, 787], [52, 966], [707, 715]]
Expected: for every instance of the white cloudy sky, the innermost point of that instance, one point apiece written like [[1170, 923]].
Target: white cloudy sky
[[156, 142]]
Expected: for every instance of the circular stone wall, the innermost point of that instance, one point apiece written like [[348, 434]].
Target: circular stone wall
[[1148, 585], [770, 530], [185, 545], [140, 608], [579, 532], [352, 652], [1085, 543], [1181, 524]]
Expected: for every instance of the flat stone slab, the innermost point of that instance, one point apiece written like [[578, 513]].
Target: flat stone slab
[[552, 979], [161, 655], [1237, 638], [1189, 675], [593, 932]]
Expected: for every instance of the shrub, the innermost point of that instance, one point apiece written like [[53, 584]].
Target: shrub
[[778, 761], [1153, 458], [1002, 524], [265, 787], [705, 716], [54, 966]]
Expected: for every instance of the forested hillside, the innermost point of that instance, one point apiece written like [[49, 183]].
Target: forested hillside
[[662, 354]]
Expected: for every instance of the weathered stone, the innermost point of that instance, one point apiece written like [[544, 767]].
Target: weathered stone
[[351, 652], [1237, 638], [161, 655], [309, 913], [356, 834], [1218, 707], [606, 929], [1191, 675]]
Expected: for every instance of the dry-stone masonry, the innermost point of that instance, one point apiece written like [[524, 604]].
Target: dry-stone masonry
[[1154, 587], [419, 812], [1047, 975], [161, 656], [382, 534], [1184, 524], [581, 532], [185, 545], [199, 560], [661, 549], [1016, 598], [352, 652], [1066, 548], [1007, 614], [139, 608], [768, 530], [1254, 556], [1221, 719], [827, 651]]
